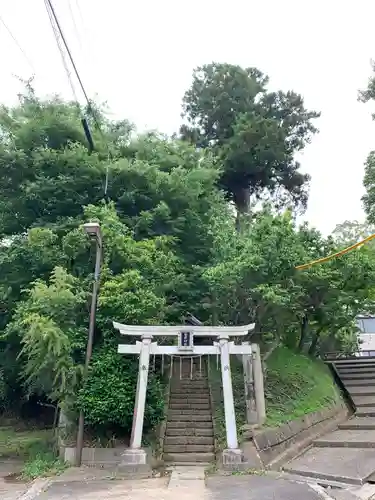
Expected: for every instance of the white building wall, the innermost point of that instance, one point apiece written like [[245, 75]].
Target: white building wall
[[366, 325], [367, 342]]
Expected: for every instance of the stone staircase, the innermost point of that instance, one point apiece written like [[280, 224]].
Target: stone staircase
[[189, 437], [346, 455]]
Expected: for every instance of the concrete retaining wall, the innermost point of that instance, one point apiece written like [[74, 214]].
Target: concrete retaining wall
[[93, 456], [99, 457], [276, 445]]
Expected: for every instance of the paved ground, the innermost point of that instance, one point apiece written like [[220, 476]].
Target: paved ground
[[184, 484], [9, 488], [216, 488], [107, 490], [258, 488]]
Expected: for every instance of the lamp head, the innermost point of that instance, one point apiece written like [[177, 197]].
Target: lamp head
[[92, 229]]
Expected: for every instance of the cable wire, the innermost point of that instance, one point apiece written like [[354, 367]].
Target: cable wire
[[29, 62], [75, 24], [68, 51], [61, 50], [89, 106], [337, 254]]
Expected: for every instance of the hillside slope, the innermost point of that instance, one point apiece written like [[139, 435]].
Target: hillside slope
[[295, 385]]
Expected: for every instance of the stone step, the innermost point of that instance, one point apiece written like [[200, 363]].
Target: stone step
[[354, 369], [185, 377], [342, 438], [365, 411], [189, 411], [357, 369], [188, 406], [365, 423], [188, 448], [197, 393], [359, 381], [194, 417], [355, 364], [193, 393], [360, 390], [180, 431], [364, 400], [354, 359], [172, 464], [188, 440], [187, 380], [352, 465], [185, 367], [189, 458], [186, 424], [357, 376], [189, 385], [194, 398]]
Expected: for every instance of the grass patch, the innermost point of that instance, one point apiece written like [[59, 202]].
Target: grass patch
[[43, 465], [25, 443], [35, 447], [295, 386]]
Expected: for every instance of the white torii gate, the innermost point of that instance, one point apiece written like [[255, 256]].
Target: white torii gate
[[135, 455]]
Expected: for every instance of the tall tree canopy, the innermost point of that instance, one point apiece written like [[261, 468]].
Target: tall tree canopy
[[253, 132], [170, 240]]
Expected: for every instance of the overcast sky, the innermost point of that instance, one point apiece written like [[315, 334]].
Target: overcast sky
[[139, 56]]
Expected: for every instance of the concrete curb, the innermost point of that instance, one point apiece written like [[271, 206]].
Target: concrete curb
[[365, 492], [37, 487], [321, 491]]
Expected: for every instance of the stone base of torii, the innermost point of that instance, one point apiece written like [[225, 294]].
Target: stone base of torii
[[135, 456]]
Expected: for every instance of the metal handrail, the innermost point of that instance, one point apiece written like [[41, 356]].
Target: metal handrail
[[181, 357]]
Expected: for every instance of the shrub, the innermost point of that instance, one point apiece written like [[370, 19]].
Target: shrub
[[109, 393]]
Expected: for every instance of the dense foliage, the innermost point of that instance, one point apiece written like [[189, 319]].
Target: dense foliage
[[171, 245], [254, 133]]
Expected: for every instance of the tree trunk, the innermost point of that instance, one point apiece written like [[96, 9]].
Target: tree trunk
[[314, 343], [214, 310], [304, 326], [241, 198]]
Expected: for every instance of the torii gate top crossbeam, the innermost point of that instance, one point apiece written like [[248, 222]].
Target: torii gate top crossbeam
[[197, 331]]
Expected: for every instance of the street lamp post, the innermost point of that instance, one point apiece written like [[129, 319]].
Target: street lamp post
[[93, 230]]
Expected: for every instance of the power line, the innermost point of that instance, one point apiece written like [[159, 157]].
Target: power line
[[59, 46], [68, 51], [74, 24], [90, 109], [18, 44], [61, 50], [80, 13]]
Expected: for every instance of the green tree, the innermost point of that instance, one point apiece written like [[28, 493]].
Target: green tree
[[254, 133], [254, 279], [365, 96], [253, 282], [351, 232], [48, 329], [170, 240]]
